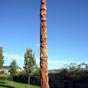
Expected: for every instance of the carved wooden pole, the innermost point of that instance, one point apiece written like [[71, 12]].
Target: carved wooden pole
[[43, 47]]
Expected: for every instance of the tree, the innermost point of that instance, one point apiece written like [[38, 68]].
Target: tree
[[13, 68], [29, 63], [43, 46], [1, 57]]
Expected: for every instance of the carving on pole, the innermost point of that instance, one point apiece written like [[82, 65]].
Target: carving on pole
[[43, 47]]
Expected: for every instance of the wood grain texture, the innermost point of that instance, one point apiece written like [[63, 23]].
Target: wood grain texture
[[43, 46]]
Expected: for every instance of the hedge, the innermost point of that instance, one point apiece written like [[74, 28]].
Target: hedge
[[5, 77]]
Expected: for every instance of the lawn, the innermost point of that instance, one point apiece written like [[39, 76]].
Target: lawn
[[10, 84]]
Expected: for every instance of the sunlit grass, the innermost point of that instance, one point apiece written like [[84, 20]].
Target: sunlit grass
[[10, 84]]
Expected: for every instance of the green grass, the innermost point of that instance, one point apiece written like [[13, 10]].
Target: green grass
[[10, 84]]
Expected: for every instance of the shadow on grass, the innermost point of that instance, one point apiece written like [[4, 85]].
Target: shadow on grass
[[3, 83], [6, 86]]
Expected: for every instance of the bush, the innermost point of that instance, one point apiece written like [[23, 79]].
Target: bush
[[22, 73], [9, 78], [5, 77], [24, 79], [2, 77]]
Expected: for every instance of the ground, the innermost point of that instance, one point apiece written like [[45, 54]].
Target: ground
[[10, 84]]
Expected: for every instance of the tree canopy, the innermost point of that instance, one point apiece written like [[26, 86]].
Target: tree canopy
[[29, 62], [1, 57], [13, 68]]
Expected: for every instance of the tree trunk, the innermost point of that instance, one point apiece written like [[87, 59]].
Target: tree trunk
[[12, 80], [43, 47], [28, 80]]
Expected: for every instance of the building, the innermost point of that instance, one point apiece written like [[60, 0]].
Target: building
[[5, 70]]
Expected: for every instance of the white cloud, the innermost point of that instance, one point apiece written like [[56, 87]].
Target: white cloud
[[58, 61], [13, 56], [65, 61]]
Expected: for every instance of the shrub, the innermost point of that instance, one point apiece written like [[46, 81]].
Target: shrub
[[5, 77], [2, 77]]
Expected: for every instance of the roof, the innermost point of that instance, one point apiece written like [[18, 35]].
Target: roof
[[5, 67]]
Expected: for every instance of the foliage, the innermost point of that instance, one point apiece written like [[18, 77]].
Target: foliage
[[37, 72], [13, 68], [5, 77], [1, 57], [2, 77], [29, 62], [21, 73], [75, 72]]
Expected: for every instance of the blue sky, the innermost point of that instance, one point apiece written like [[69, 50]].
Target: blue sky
[[67, 24]]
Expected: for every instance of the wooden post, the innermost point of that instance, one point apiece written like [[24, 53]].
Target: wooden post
[[43, 47]]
